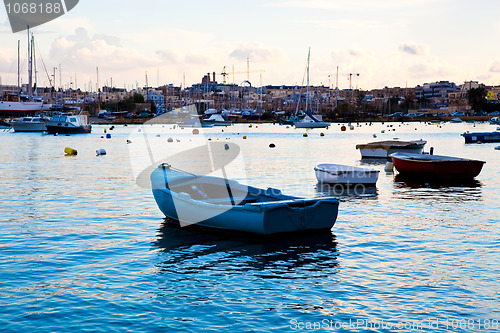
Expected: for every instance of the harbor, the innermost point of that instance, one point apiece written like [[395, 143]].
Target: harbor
[[79, 232], [258, 166]]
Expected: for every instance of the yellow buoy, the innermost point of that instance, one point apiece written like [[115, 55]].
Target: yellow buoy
[[321, 134], [70, 151], [305, 135]]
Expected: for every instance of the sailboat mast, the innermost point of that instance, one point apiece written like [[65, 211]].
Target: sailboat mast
[[307, 89], [18, 66], [30, 67], [34, 62]]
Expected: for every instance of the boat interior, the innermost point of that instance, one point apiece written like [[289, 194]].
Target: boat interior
[[216, 190]]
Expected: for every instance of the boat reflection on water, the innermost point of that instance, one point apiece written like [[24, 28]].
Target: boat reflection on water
[[438, 190], [346, 192], [182, 248], [374, 160], [413, 182]]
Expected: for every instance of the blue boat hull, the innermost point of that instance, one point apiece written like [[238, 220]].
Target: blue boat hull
[[246, 209], [481, 137]]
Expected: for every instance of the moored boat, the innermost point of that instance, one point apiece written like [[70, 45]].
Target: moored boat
[[382, 149], [476, 137], [217, 120], [4, 125], [436, 166], [68, 124], [29, 124], [495, 121], [345, 174], [195, 122], [220, 203]]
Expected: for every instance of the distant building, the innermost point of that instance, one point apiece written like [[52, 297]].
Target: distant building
[[439, 90]]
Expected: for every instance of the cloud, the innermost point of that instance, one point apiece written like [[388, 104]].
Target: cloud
[[414, 49], [256, 52], [353, 4], [85, 51], [495, 67]]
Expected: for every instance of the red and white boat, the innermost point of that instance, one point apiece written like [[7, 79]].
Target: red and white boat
[[436, 166], [382, 149]]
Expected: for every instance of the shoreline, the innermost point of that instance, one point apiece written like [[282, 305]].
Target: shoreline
[[123, 121]]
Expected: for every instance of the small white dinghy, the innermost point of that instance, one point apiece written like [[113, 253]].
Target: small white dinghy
[[345, 174]]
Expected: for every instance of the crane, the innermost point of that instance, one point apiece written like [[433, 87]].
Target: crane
[[248, 71]]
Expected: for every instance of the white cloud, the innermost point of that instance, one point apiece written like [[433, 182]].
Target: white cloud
[[495, 67], [414, 49], [353, 4], [257, 53]]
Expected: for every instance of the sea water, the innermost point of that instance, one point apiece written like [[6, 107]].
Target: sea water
[[83, 247]]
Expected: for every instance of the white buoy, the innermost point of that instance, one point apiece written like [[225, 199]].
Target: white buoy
[[100, 152]]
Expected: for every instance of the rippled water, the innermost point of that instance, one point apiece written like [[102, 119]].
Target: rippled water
[[84, 248]]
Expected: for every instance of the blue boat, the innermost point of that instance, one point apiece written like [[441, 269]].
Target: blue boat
[[481, 137], [224, 204]]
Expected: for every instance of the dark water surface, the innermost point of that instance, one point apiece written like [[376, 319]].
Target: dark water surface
[[84, 248]]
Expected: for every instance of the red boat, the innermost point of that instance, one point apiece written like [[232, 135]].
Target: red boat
[[435, 166]]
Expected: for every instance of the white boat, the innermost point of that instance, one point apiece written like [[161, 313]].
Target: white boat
[[16, 102], [382, 149], [218, 120], [310, 121], [224, 204], [68, 124], [29, 124], [345, 174], [11, 105]]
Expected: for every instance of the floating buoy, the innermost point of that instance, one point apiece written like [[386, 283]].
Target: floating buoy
[[100, 152], [196, 131], [321, 134], [128, 141], [170, 140], [374, 135], [250, 125], [70, 151], [382, 131], [178, 140], [343, 128], [105, 131], [158, 135], [351, 127], [112, 128], [102, 136], [226, 146], [108, 136], [244, 137], [305, 135], [389, 167], [272, 145]]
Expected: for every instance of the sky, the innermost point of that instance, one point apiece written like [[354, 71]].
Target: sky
[[394, 43]]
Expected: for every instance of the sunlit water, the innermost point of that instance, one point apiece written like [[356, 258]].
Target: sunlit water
[[84, 248]]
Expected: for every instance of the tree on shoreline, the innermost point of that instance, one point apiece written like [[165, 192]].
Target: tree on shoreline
[[477, 98]]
